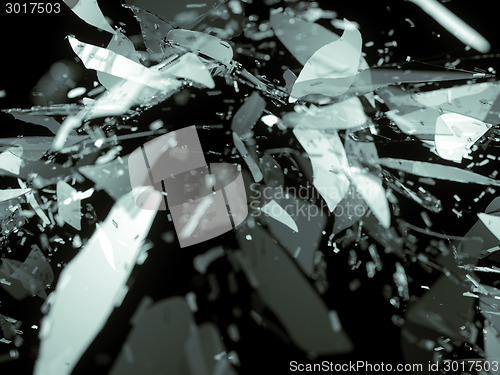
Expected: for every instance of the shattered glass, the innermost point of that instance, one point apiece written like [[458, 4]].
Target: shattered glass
[[203, 187]]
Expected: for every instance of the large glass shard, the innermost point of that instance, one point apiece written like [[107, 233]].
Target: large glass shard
[[89, 11], [472, 100], [165, 336], [120, 45], [368, 80], [187, 66], [8, 194], [295, 224], [45, 121], [302, 38], [30, 197], [492, 222], [153, 31], [339, 59], [104, 60], [329, 163], [454, 24], [368, 182], [112, 177], [30, 277], [307, 319], [80, 305], [438, 171], [179, 13]]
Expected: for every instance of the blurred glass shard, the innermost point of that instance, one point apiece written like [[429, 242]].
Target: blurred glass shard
[[296, 225], [30, 197], [307, 319], [69, 205], [8, 194], [302, 38], [46, 121], [89, 11], [438, 171], [11, 160], [51, 110], [277, 212], [186, 347], [81, 305], [329, 163], [492, 222], [202, 261], [30, 277], [248, 158], [248, 114], [112, 177], [179, 14], [454, 24], [339, 59]]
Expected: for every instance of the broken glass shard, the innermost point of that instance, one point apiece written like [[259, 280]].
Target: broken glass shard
[[307, 319], [329, 163], [438, 171], [153, 30], [81, 305], [69, 204], [30, 277], [302, 38], [346, 114], [492, 222], [339, 59], [89, 11], [248, 114], [465, 131], [275, 211]]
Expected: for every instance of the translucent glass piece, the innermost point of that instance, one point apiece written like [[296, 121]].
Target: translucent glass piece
[[69, 205], [277, 212], [438, 171], [339, 59], [329, 163], [89, 11], [82, 303]]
